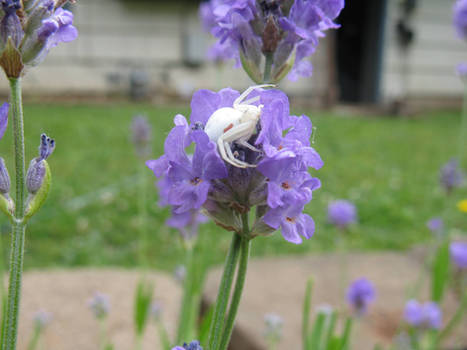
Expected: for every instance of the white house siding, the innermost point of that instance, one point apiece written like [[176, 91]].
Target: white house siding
[[433, 58], [117, 39]]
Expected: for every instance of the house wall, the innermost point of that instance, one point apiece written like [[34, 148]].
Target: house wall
[[433, 58], [119, 39]]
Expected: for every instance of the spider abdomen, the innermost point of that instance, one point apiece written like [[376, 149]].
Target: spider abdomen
[[222, 121]]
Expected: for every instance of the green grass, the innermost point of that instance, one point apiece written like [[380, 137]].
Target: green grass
[[388, 167]]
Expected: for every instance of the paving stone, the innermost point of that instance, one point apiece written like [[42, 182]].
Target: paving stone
[[278, 284]]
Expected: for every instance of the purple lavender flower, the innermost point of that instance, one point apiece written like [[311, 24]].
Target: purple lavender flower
[[458, 251], [460, 18], [461, 70], [342, 213], [43, 25], [141, 135], [276, 181], [187, 223], [194, 345], [359, 294], [37, 168], [451, 176], [100, 305], [286, 31], [423, 316], [42, 319], [435, 225]]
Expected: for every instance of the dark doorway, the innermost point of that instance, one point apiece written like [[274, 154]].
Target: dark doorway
[[359, 50]]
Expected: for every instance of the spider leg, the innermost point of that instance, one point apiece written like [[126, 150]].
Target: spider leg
[[240, 164], [248, 145], [250, 101], [248, 91], [222, 150], [239, 131]]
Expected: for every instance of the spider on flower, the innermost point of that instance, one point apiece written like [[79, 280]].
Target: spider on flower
[[235, 124]]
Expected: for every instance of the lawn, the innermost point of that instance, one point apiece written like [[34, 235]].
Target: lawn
[[389, 167]]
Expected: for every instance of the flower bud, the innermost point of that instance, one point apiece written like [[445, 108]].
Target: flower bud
[[41, 12], [271, 36], [35, 175], [4, 178], [10, 25]]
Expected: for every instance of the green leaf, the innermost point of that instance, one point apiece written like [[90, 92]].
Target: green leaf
[[440, 272], [143, 298], [317, 332], [345, 340], [205, 324], [306, 315], [330, 330]]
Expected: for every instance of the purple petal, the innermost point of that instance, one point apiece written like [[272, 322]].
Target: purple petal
[[203, 104]]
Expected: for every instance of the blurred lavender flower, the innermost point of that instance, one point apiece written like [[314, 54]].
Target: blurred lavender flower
[[274, 324], [451, 176], [141, 135], [458, 252], [156, 310], [435, 225], [42, 319], [29, 29], [423, 316], [360, 294], [187, 223], [461, 70], [100, 305], [278, 182], [194, 345], [4, 176], [285, 31], [342, 213], [37, 167], [180, 273], [460, 18]]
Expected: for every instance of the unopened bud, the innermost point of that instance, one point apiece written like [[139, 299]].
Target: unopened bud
[[35, 175], [4, 178], [41, 12], [271, 35], [10, 25]]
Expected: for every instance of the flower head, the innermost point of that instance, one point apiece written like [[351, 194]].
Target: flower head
[[28, 30], [100, 305], [451, 176], [288, 32], [435, 225], [423, 316], [276, 180], [460, 18], [359, 294], [194, 345], [342, 213], [458, 252], [141, 135]]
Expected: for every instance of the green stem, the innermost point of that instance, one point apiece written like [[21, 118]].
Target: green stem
[[454, 320], [163, 335], [185, 317], [267, 68], [224, 293], [241, 276], [35, 338], [19, 225]]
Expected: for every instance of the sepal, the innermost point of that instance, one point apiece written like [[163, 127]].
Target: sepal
[[36, 200], [7, 205], [11, 60], [251, 69], [281, 72]]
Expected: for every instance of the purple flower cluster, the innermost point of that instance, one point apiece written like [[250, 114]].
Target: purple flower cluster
[[451, 176], [458, 252], [360, 294], [460, 18], [194, 345], [29, 29], [342, 213], [287, 31], [423, 316], [277, 183]]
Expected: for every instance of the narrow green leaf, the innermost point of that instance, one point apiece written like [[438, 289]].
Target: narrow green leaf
[[440, 272], [204, 327], [317, 332], [306, 315], [345, 340], [143, 298], [331, 325]]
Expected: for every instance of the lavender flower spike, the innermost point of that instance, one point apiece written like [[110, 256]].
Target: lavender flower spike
[[360, 294], [141, 135], [194, 345], [451, 176], [423, 316], [460, 18], [100, 305], [37, 168], [458, 252], [342, 213]]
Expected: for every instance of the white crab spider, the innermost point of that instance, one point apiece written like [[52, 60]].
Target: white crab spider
[[235, 124]]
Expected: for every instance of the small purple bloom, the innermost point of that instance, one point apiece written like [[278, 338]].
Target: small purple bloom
[[42, 319], [360, 294], [423, 316], [194, 345], [187, 223], [451, 176], [4, 109], [461, 70], [435, 225], [458, 251], [342, 213], [100, 305], [460, 18]]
